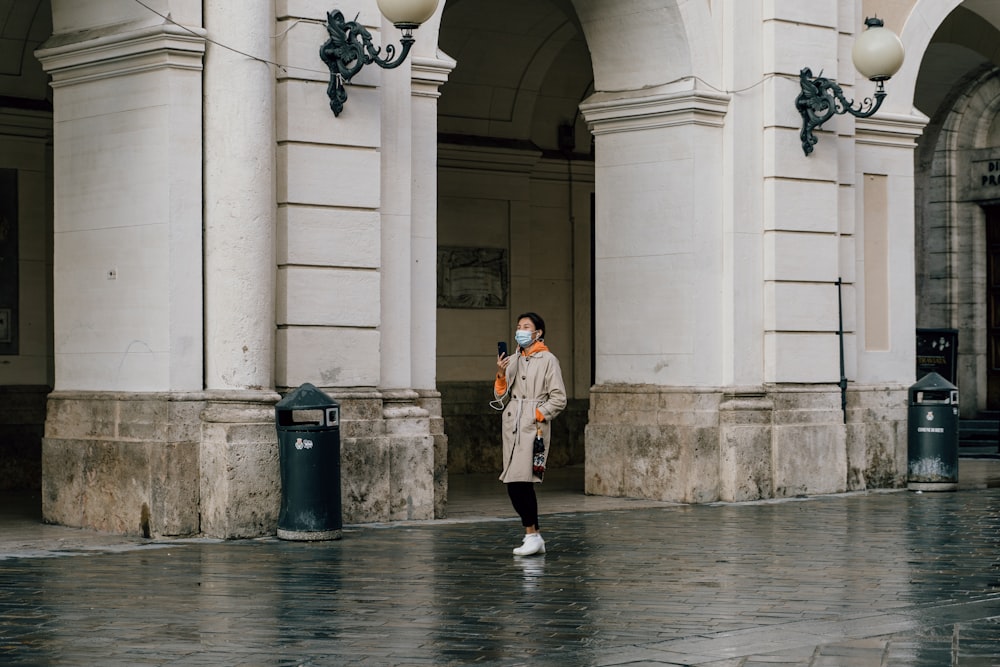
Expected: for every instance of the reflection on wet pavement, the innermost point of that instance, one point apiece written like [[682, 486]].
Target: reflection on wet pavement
[[886, 579]]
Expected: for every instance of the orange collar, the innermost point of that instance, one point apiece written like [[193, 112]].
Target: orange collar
[[538, 346]]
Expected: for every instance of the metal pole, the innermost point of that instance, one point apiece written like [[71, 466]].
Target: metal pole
[[840, 333]]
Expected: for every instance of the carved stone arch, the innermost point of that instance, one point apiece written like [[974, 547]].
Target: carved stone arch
[[921, 24], [950, 229], [634, 44], [94, 14]]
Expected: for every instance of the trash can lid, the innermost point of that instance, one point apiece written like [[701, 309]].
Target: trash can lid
[[306, 397], [932, 382]]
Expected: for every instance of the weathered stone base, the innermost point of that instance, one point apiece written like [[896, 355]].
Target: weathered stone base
[[122, 463], [411, 462], [430, 401], [387, 456], [239, 474], [697, 445], [876, 437], [163, 465]]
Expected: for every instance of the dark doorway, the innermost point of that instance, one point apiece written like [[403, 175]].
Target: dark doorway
[[993, 307]]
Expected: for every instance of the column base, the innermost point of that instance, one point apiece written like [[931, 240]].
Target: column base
[[206, 463], [123, 463], [733, 444], [239, 473]]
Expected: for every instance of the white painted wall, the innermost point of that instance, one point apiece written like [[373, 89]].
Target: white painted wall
[[127, 230]]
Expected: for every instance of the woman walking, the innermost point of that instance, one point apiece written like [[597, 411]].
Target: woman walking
[[530, 382]]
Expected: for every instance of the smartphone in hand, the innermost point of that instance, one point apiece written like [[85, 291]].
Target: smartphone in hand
[[501, 349]]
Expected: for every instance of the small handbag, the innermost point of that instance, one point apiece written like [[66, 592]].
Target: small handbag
[[538, 455]]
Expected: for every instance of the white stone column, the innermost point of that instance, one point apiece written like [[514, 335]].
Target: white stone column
[[239, 196], [239, 475], [397, 174], [743, 290], [429, 74], [407, 420]]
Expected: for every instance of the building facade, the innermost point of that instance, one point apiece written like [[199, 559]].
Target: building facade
[[194, 232]]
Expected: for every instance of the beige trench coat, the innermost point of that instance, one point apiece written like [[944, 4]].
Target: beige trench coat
[[532, 382]]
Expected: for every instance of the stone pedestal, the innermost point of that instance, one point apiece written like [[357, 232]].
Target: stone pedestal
[[430, 401], [745, 422], [701, 444], [808, 444], [239, 473], [876, 437], [122, 463], [662, 443]]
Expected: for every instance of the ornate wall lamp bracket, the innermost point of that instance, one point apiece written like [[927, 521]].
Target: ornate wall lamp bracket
[[822, 98], [349, 47], [877, 54]]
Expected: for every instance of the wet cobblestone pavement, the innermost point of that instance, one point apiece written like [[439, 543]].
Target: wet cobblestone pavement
[[880, 579]]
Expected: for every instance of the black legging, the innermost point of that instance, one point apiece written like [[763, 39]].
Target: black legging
[[522, 496]]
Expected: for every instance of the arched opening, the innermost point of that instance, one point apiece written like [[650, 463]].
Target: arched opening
[[26, 358], [515, 218], [956, 235]]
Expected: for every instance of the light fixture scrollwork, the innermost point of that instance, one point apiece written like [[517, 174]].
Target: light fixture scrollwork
[[349, 46], [877, 54]]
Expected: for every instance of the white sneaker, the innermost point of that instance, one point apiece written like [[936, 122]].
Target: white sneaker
[[533, 544]]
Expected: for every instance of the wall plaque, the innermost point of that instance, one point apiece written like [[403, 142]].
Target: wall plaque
[[472, 277]]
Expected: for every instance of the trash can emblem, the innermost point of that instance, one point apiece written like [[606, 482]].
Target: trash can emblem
[[301, 443], [929, 416]]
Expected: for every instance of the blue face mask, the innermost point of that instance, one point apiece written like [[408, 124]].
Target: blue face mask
[[524, 338]]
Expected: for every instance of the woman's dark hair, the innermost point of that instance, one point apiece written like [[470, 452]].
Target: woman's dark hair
[[536, 320]]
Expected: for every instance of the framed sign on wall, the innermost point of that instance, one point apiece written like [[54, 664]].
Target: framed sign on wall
[[472, 277]]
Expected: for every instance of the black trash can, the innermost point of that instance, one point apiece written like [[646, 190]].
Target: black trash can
[[308, 423], [932, 435]]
